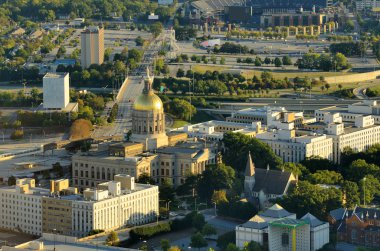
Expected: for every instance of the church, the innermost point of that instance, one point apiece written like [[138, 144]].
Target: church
[[261, 185]]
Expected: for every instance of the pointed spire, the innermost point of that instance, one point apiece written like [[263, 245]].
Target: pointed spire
[[250, 167], [375, 216], [267, 167]]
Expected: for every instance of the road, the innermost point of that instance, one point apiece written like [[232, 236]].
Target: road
[[135, 86]]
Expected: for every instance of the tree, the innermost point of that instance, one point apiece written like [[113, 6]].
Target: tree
[[340, 86], [156, 28], [351, 193], [236, 151], [180, 73], [252, 246], [139, 41], [145, 178], [232, 247], [112, 239], [219, 197], [222, 60], [174, 248], [165, 245], [326, 177], [197, 241], [207, 230], [369, 187], [166, 191], [277, 62], [81, 128], [198, 221], [327, 86], [309, 198], [11, 181], [215, 177], [267, 61], [286, 60], [182, 109]]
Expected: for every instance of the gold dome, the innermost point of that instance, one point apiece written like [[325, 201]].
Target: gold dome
[[148, 102]]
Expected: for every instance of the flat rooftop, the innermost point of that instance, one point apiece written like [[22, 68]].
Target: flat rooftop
[[65, 246], [55, 75]]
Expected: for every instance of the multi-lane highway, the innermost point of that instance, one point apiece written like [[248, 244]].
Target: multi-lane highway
[[135, 86]]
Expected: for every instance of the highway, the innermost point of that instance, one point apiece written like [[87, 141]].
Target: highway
[[135, 86]]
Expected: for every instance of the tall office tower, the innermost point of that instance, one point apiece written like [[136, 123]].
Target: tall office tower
[[92, 46], [56, 92]]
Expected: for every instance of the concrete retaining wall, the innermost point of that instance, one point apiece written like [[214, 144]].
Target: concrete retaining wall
[[121, 90], [359, 77]]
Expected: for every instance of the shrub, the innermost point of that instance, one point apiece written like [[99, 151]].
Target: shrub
[[149, 231], [17, 134]]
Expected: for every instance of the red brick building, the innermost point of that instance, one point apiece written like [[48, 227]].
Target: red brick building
[[360, 226]]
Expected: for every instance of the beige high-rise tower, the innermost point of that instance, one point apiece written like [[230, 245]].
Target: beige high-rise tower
[[92, 46]]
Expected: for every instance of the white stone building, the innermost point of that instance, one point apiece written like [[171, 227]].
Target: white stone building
[[292, 148], [56, 93], [20, 207], [62, 210]]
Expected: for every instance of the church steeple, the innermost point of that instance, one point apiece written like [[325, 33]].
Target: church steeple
[[250, 167]]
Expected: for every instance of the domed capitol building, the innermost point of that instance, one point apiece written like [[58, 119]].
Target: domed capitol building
[[148, 119], [150, 149]]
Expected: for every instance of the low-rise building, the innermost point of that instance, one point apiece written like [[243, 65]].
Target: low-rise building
[[281, 230], [359, 226]]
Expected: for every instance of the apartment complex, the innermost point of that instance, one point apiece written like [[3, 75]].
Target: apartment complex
[[92, 46], [366, 4], [62, 210]]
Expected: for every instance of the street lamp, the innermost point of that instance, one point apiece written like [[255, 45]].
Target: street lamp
[[364, 179], [214, 207], [54, 230]]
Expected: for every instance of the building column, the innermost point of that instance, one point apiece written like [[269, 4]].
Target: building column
[[294, 240]]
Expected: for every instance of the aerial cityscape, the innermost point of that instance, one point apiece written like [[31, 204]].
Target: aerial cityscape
[[173, 125]]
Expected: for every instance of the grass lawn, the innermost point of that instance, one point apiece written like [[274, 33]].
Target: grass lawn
[[179, 123], [276, 74], [201, 116]]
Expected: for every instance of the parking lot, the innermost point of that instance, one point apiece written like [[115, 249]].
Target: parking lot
[[13, 238]]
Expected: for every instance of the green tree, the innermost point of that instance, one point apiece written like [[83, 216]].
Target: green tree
[[112, 239], [156, 28], [219, 196], [222, 60], [198, 221], [286, 60], [145, 178], [165, 244], [166, 190], [252, 246], [198, 241], [236, 151], [232, 247], [215, 177], [182, 109], [326, 177], [352, 194], [208, 230], [369, 187], [277, 62]]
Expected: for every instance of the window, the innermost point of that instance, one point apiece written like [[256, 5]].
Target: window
[[285, 239]]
